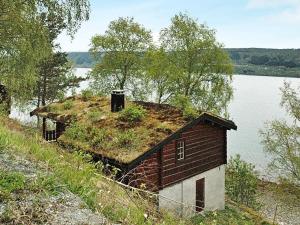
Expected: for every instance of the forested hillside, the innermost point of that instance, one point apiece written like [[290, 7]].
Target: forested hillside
[[262, 61], [252, 61]]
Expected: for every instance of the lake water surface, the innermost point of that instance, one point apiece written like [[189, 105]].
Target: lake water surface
[[256, 100]]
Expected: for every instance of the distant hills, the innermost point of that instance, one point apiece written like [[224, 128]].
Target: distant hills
[[249, 61]]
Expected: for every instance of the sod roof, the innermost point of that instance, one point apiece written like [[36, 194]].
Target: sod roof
[[107, 133]]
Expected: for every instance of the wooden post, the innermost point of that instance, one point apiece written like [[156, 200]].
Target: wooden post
[[44, 128]]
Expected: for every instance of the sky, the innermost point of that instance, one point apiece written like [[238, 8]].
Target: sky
[[238, 23]]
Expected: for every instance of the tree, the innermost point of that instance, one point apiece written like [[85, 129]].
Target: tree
[[24, 41], [54, 72], [159, 71], [203, 67], [281, 139], [241, 181], [122, 46]]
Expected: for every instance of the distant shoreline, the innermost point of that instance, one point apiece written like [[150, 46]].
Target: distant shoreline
[[235, 74]]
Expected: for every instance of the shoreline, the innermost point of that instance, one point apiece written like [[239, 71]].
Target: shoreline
[[235, 74]]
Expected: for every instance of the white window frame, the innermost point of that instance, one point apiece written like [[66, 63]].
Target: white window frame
[[180, 148]]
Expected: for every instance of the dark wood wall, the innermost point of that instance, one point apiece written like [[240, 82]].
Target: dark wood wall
[[205, 149], [147, 173]]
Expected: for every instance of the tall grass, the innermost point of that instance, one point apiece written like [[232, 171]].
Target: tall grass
[[85, 179]]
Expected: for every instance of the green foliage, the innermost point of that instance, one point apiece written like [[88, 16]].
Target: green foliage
[[159, 71], [76, 131], [188, 110], [126, 139], [68, 104], [203, 68], [241, 182], [231, 215], [10, 182], [132, 114], [86, 95], [262, 61], [123, 42], [60, 96], [47, 183], [190, 113], [281, 139], [94, 116], [20, 57], [76, 174], [99, 138]]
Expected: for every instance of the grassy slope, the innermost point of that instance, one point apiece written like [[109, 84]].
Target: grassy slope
[[85, 180]]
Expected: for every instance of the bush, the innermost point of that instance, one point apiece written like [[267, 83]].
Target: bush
[[99, 137], [188, 110], [241, 182], [68, 104], [190, 113], [77, 132], [132, 114], [86, 95]]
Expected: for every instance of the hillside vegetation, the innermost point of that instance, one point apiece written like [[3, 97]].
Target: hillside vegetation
[[63, 172], [250, 61]]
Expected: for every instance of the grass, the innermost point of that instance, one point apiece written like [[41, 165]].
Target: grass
[[137, 121], [76, 173], [231, 215], [83, 178]]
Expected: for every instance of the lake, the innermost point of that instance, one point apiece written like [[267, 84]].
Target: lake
[[256, 100]]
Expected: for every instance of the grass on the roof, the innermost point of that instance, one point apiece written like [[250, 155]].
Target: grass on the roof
[[121, 135]]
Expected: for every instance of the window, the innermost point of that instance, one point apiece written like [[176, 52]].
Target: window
[[180, 146]]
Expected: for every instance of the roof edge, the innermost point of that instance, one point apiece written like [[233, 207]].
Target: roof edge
[[228, 124]]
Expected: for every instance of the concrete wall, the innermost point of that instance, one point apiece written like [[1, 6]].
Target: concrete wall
[[185, 192]]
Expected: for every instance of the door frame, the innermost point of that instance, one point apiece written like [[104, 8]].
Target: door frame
[[200, 195]]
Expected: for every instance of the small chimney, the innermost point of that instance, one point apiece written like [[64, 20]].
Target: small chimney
[[117, 100]]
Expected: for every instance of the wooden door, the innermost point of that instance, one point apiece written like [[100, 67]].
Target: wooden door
[[200, 193]]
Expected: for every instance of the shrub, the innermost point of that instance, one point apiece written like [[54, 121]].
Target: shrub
[[188, 110], [86, 95], [190, 113], [68, 104], [132, 114], [241, 182], [99, 137], [77, 132], [60, 96]]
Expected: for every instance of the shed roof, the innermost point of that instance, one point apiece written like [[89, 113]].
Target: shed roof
[[120, 140]]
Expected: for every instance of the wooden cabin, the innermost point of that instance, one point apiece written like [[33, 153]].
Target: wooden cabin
[[183, 160]]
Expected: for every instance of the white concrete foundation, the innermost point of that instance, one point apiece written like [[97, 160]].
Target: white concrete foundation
[[185, 192]]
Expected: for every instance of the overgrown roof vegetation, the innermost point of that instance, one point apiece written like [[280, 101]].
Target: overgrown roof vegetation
[[121, 135]]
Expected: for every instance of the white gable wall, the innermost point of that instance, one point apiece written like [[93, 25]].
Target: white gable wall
[[185, 192]]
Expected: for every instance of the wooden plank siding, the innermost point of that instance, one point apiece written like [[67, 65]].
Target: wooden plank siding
[[205, 149], [147, 173]]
